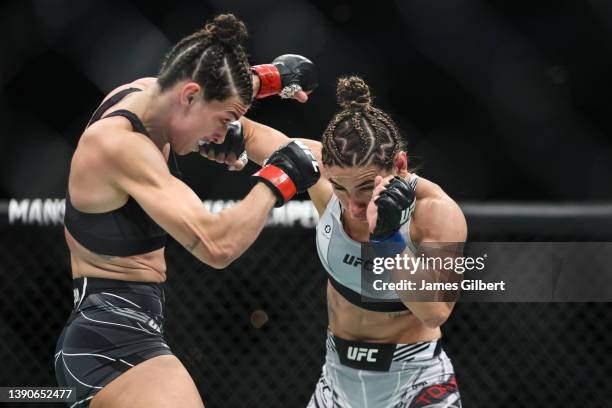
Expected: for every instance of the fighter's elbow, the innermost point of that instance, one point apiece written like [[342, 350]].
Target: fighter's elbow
[[435, 318], [214, 253], [433, 322], [220, 257], [219, 261]]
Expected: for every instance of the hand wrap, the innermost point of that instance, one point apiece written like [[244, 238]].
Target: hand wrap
[[289, 170]]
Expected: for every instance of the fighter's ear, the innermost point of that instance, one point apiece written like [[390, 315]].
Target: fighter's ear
[[189, 93], [400, 163]]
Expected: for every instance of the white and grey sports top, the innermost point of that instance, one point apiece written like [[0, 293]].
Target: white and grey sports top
[[341, 258]]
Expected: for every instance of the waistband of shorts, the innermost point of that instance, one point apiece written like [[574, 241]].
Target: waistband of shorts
[[141, 295], [97, 285], [379, 356]]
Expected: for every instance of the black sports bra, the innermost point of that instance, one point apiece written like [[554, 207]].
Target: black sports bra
[[127, 230]]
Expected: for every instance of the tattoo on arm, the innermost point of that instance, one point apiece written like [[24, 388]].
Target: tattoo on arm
[[194, 244]]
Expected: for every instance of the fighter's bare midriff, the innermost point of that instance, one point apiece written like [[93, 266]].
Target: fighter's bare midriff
[[149, 267], [352, 322]]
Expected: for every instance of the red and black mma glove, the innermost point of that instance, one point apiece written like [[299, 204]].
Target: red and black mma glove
[[289, 170], [233, 143], [395, 205], [285, 76]]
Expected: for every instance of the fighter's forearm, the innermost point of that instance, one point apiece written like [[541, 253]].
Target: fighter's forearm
[[261, 140], [237, 227], [432, 294]]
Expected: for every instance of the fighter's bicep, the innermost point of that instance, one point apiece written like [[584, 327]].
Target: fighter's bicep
[[145, 176]]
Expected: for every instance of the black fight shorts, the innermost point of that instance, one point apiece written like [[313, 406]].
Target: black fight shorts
[[114, 326]]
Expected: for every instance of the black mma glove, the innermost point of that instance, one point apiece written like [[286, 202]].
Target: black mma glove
[[233, 143], [287, 75], [292, 168], [395, 205]]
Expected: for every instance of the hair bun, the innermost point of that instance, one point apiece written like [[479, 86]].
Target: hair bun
[[353, 93], [227, 30]]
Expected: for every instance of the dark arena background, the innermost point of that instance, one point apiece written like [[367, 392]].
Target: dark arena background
[[505, 104]]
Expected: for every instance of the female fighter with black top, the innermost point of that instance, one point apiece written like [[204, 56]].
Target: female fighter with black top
[[122, 200]]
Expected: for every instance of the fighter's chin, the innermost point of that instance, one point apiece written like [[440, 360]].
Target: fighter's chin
[[183, 150]]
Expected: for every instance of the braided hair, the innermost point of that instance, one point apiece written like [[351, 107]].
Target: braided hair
[[215, 58], [360, 134]]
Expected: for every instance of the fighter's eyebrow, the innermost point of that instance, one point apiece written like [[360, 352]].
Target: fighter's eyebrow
[[365, 183], [334, 182]]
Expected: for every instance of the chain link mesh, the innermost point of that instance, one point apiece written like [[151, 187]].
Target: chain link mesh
[[505, 354]]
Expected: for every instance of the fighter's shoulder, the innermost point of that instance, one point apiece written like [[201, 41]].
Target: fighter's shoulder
[[144, 82], [112, 141], [141, 83], [436, 215]]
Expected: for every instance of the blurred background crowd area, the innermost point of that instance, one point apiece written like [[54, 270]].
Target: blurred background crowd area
[[499, 100]]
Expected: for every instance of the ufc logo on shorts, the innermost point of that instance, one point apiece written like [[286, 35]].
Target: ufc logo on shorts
[[75, 293], [153, 325], [358, 353], [306, 150]]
